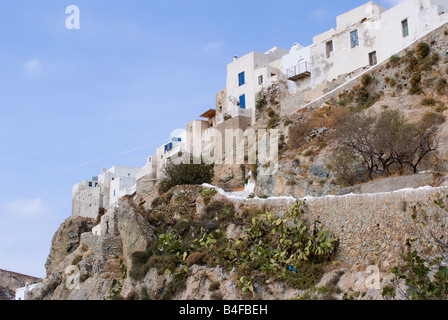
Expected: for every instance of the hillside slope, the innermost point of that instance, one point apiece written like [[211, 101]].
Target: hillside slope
[[10, 281]]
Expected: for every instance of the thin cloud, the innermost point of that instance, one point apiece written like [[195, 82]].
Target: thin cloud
[[213, 46], [114, 156], [28, 208], [32, 68], [319, 14]]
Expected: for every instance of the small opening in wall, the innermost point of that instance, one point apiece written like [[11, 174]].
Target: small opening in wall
[[329, 48]]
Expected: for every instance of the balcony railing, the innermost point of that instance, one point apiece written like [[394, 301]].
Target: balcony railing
[[300, 71]]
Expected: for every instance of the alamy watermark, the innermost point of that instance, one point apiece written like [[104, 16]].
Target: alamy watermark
[[73, 21], [73, 277], [233, 146]]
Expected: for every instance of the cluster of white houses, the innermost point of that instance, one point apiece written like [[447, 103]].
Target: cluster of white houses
[[363, 37]]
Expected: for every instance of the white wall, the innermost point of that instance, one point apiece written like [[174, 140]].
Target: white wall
[[87, 202], [379, 30], [253, 65], [346, 59], [423, 17], [22, 293], [297, 54]]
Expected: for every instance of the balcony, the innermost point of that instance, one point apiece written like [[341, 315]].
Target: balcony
[[300, 71]]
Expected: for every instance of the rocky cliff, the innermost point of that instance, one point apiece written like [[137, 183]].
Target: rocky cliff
[[194, 243], [199, 242], [10, 281]]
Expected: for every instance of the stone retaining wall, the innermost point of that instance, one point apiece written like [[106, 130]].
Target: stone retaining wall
[[372, 228]]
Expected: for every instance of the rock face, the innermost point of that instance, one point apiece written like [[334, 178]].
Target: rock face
[[134, 230], [10, 281], [66, 240], [371, 230]]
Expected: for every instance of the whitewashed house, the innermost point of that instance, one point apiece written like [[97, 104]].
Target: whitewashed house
[[22, 293], [103, 192], [245, 77], [362, 38]]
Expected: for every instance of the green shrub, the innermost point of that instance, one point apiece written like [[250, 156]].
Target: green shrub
[[273, 122], [308, 153], [435, 57], [271, 113], [186, 174], [394, 60], [366, 79], [425, 276], [260, 103], [428, 102], [416, 90], [208, 194], [76, 260], [422, 50], [415, 78], [288, 122], [433, 118]]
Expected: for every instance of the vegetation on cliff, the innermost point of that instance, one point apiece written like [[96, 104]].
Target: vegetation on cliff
[[191, 173], [268, 247]]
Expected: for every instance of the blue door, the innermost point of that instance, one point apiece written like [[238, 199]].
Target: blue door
[[243, 101]]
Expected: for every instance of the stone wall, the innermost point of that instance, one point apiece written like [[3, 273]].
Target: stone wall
[[372, 228]]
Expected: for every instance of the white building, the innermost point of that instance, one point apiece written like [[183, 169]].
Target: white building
[[87, 198], [363, 37], [104, 191], [22, 293], [245, 77]]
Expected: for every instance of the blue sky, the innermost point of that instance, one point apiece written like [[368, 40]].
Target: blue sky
[[75, 101]]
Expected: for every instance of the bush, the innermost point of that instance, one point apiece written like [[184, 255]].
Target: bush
[[416, 90], [394, 60], [273, 122], [366, 79], [260, 103], [428, 102], [186, 174], [271, 113], [208, 194], [415, 78], [422, 50], [433, 118], [425, 275]]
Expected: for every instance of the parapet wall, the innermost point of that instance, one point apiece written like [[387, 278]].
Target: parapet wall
[[373, 229]]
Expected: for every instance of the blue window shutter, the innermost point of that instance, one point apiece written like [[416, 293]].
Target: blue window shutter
[[241, 79], [243, 101]]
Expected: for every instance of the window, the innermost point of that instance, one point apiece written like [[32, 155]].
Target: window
[[260, 79], [243, 101], [372, 58], [329, 48], [90, 184], [241, 79], [168, 147], [405, 28], [354, 38]]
